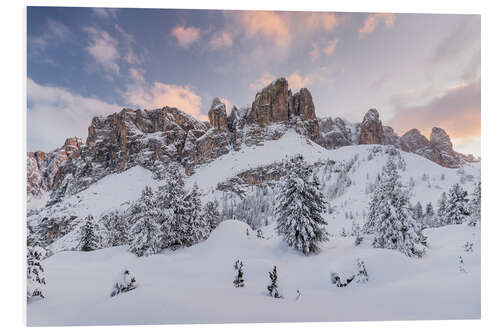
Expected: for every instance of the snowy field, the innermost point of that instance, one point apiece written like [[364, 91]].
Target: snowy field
[[194, 285]]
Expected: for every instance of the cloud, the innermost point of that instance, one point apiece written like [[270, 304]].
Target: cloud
[[457, 111], [464, 37], [220, 40], [131, 57], [331, 46], [54, 33], [297, 81], [267, 25], [104, 50], [106, 12], [160, 94], [264, 79], [136, 74], [315, 52], [186, 36], [55, 114], [373, 20], [325, 21]]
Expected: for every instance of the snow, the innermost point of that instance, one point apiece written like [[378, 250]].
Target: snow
[[194, 285]]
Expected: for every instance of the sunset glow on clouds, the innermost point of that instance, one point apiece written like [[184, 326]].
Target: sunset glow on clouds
[[417, 70]]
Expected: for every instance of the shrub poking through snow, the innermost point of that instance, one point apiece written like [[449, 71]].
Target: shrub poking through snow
[[298, 295], [272, 288], [362, 274], [461, 265], [238, 280], [336, 280], [468, 246], [35, 272], [260, 234], [125, 282]]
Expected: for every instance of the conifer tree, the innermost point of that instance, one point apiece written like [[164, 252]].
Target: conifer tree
[[146, 232], [272, 288], [456, 207], [195, 228], [440, 216], [362, 274], [90, 237], [35, 272], [260, 234], [238, 280], [211, 214], [418, 211], [299, 209], [390, 216], [475, 206], [356, 232], [117, 228]]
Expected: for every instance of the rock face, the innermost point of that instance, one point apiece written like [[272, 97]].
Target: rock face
[[371, 128], [43, 169], [167, 137], [217, 115]]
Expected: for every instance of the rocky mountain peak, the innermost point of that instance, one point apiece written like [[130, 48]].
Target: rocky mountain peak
[[217, 115], [371, 128]]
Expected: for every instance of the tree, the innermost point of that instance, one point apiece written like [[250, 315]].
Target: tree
[[356, 232], [418, 211], [429, 215], [211, 214], [362, 274], [117, 228], [194, 228], [35, 272], [125, 282], [260, 233], [238, 280], [390, 217], [299, 209], [90, 237], [461, 265], [272, 288], [475, 206], [456, 208], [146, 232], [439, 219]]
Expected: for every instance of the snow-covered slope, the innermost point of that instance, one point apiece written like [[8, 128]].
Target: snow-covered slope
[[428, 180], [194, 285]]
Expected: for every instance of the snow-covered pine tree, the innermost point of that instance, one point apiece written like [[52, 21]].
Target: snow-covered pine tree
[[238, 280], [299, 209], [456, 208], [117, 228], [170, 198], [429, 215], [211, 214], [195, 228], [90, 236], [439, 218], [356, 233], [260, 234], [146, 233], [392, 221], [35, 272], [418, 211], [125, 282], [362, 274], [475, 206], [343, 233], [272, 288]]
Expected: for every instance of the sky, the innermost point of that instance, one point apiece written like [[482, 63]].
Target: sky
[[417, 70]]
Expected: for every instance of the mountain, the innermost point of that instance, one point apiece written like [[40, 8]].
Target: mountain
[[161, 138]]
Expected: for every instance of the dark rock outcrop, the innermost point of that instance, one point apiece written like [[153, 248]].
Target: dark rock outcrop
[[371, 128]]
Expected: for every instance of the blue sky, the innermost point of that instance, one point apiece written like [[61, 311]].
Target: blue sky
[[418, 70]]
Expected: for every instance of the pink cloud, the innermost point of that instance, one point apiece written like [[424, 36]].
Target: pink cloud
[[160, 94], [266, 24], [331, 46], [186, 36], [104, 49], [221, 40], [373, 20]]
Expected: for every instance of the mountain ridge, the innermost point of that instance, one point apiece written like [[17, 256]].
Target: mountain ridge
[[161, 138]]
